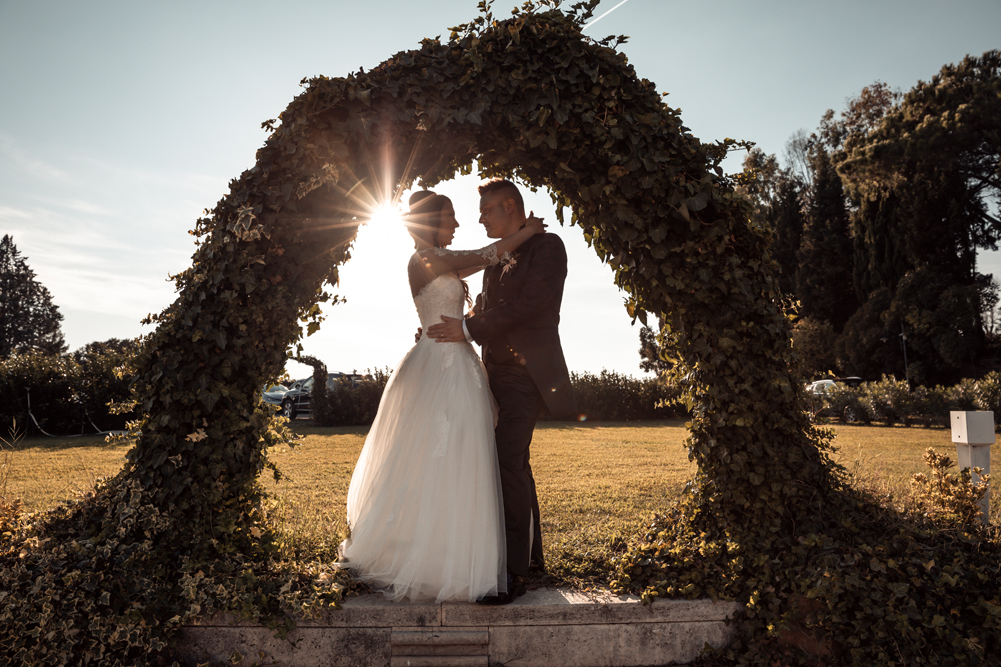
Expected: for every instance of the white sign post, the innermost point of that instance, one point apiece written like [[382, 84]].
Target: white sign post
[[973, 433]]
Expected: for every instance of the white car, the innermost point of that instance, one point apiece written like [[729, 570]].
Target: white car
[[820, 387], [274, 394]]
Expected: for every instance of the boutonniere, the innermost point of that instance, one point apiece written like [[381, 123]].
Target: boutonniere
[[508, 262]]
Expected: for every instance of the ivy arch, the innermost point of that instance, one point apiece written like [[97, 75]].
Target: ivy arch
[[528, 97]]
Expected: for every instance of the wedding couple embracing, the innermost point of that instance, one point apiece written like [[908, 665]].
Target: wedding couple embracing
[[442, 502]]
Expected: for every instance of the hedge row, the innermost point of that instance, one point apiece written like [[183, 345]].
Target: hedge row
[[609, 396], [890, 401], [68, 394], [613, 396]]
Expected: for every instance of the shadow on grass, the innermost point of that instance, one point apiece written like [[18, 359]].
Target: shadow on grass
[[45, 443]]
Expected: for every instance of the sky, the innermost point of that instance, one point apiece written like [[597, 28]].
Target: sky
[[121, 121]]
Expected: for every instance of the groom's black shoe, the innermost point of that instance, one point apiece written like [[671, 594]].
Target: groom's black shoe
[[515, 589]]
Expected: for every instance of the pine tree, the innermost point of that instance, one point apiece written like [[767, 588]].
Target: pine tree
[[28, 318]]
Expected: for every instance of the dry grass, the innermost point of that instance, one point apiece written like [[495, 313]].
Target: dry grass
[[598, 483], [46, 471]]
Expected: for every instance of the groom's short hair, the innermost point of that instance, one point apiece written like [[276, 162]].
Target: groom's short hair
[[504, 187]]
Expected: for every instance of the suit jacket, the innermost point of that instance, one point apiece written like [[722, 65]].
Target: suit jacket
[[517, 318]]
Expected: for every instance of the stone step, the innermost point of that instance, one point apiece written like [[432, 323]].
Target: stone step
[[447, 647], [544, 628]]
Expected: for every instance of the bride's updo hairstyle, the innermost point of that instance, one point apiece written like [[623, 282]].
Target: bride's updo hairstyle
[[424, 218], [423, 222]]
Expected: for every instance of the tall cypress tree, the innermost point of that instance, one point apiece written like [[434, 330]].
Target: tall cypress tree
[[824, 281], [28, 318]]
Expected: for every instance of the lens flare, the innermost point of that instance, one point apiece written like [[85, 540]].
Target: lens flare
[[385, 217]]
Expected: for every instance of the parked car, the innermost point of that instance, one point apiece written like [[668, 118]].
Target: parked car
[[823, 386], [274, 394], [817, 390], [820, 387], [299, 400]]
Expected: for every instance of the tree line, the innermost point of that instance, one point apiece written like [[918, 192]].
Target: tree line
[[876, 218]]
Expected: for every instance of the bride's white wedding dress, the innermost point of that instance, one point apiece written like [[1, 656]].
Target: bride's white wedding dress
[[424, 505]]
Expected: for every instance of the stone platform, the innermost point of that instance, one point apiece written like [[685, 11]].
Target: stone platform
[[545, 628]]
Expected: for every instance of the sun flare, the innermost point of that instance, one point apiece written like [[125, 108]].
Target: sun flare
[[385, 218]]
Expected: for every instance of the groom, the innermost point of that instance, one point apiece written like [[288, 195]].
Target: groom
[[516, 321]]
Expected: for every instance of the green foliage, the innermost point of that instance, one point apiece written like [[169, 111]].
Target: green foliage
[[884, 585], [181, 531], [878, 219], [609, 396], [29, 321], [105, 380], [651, 355], [776, 196], [929, 170], [356, 402], [815, 345], [922, 176], [612, 396], [89, 571], [949, 498], [52, 382], [889, 401], [70, 393], [319, 398], [824, 279]]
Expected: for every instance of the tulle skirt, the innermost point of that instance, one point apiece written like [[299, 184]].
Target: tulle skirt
[[424, 504]]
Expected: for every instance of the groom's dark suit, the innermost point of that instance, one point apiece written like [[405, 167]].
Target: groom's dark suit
[[516, 321]]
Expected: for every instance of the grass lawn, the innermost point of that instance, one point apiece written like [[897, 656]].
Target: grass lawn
[[598, 483]]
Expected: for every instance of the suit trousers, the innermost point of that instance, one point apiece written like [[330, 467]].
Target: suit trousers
[[520, 404]]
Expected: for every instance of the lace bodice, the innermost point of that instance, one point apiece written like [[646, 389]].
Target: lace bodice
[[442, 296]]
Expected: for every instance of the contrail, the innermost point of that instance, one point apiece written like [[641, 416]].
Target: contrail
[[604, 15]]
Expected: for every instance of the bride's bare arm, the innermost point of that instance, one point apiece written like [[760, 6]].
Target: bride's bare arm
[[439, 260]]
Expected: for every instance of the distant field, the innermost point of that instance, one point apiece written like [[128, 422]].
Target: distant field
[[596, 481]]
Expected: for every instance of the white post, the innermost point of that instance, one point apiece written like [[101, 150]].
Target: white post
[[973, 433]]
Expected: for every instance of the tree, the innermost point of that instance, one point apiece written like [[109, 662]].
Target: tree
[[650, 359], [28, 318], [923, 175], [824, 282], [105, 376], [814, 342], [927, 177], [776, 196]]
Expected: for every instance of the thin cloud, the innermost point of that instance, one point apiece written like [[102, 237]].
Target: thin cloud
[[86, 207], [8, 213], [30, 164]]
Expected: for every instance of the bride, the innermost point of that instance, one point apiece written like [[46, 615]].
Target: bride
[[424, 505]]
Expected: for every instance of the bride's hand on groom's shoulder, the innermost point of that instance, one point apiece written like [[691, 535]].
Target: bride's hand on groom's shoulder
[[535, 224]]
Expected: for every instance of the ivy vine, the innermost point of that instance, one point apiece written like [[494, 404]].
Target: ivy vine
[[767, 520]]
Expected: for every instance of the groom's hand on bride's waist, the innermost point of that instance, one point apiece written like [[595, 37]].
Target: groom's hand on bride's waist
[[449, 330]]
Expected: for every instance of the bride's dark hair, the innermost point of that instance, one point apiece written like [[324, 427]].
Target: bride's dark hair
[[424, 219]]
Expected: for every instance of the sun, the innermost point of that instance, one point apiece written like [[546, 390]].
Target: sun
[[385, 218]]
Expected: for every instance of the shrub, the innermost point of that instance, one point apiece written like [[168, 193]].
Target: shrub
[[890, 401], [68, 393], [104, 378], [613, 396], [49, 384], [954, 499], [987, 393], [354, 402], [917, 585], [887, 400]]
